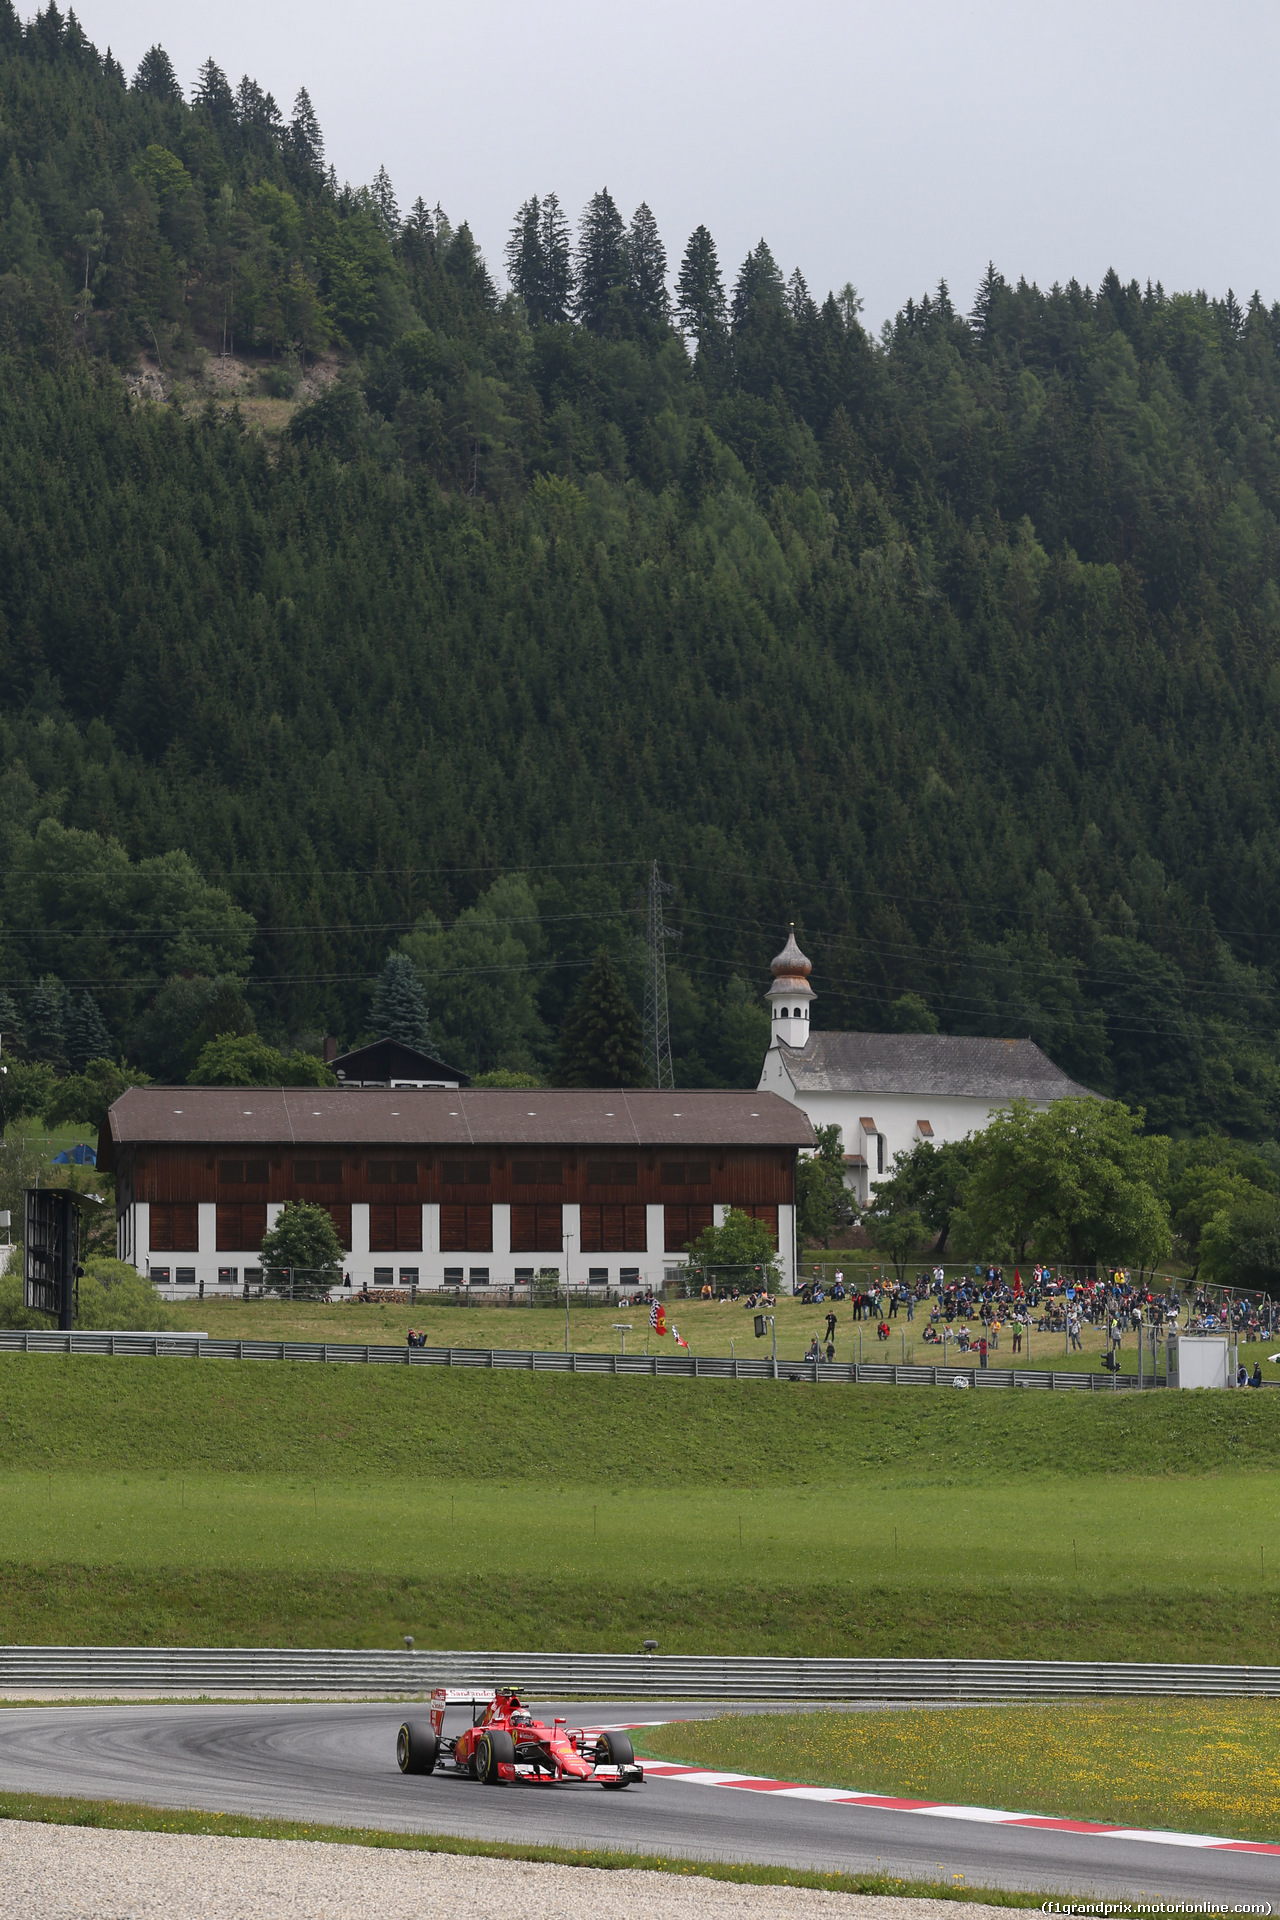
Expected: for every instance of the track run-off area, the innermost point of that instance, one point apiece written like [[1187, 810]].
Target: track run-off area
[[334, 1764]]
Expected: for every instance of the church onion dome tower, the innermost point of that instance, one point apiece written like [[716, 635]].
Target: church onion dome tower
[[789, 996]]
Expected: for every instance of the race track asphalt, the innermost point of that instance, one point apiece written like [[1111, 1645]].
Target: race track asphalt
[[335, 1764]]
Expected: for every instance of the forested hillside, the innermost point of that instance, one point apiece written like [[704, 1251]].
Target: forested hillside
[[960, 644]]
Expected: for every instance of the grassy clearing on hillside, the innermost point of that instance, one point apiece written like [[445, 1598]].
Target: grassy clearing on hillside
[[708, 1327], [130, 1817], [1193, 1765], [222, 1502]]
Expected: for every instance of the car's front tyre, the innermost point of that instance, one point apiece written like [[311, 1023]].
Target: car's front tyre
[[494, 1750]]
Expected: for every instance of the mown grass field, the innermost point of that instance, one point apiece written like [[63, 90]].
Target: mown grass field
[[241, 1502], [1196, 1766], [708, 1327]]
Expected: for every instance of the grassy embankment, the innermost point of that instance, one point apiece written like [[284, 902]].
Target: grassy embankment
[[171, 1502], [1200, 1766], [708, 1327]]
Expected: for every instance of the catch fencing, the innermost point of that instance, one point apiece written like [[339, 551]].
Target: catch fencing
[[277, 1670], [683, 1366]]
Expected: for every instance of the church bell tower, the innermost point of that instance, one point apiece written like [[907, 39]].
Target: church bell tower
[[790, 995]]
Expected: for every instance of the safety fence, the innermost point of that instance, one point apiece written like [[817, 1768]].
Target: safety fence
[[612, 1676], [661, 1365]]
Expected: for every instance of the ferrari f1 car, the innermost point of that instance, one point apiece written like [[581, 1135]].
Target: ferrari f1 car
[[505, 1744]]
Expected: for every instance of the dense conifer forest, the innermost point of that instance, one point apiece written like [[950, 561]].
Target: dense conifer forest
[[959, 643]]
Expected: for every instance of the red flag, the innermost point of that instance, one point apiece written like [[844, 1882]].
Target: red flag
[[658, 1317], [675, 1335]]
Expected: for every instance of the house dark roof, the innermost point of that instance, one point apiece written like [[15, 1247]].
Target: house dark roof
[[927, 1063], [383, 1061], [477, 1116]]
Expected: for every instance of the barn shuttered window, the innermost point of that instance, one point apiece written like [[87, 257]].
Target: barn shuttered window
[[241, 1225], [244, 1173], [613, 1228], [465, 1173], [393, 1173], [175, 1226], [536, 1229], [317, 1173], [686, 1173], [612, 1173], [466, 1229], [394, 1229], [537, 1173], [683, 1224]]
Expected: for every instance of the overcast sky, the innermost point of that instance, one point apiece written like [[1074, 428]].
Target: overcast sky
[[887, 144]]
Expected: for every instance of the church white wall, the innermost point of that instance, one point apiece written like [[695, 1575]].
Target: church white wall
[[895, 1114]]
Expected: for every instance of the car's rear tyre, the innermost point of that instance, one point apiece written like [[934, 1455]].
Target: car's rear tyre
[[494, 1749], [417, 1748], [614, 1750]]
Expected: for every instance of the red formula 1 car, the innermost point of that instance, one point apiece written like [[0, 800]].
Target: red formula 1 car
[[505, 1744]]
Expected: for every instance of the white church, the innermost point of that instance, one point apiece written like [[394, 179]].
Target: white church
[[887, 1091]]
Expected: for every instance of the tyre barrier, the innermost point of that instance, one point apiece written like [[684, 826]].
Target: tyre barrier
[[679, 1366], [554, 1676]]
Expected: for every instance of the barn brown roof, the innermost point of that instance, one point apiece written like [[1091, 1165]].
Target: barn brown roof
[[473, 1116]]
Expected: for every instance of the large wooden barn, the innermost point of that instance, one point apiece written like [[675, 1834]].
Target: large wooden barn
[[437, 1187]]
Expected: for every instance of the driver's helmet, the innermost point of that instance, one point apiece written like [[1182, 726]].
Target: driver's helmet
[[522, 1717]]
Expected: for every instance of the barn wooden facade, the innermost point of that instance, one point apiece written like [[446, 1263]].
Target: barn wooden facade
[[439, 1187]]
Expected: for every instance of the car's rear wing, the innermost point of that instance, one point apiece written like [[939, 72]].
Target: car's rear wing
[[442, 1697]]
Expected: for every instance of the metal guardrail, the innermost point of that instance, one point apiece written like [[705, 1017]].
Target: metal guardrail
[[655, 1365], [612, 1676]]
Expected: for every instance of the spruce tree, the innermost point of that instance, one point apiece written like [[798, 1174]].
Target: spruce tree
[[986, 302], [700, 305], [11, 1037], [526, 267], [399, 1010], [600, 1042], [305, 136], [47, 1008], [799, 299], [602, 263], [212, 91], [758, 286], [646, 268], [557, 263], [86, 1033], [382, 198], [155, 76]]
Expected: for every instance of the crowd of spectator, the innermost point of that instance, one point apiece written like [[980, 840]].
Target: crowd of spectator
[[974, 1311]]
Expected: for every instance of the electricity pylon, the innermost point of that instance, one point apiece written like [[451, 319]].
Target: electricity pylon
[[657, 1028]]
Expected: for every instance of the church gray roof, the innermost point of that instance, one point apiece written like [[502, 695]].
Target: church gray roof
[[928, 1063]]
